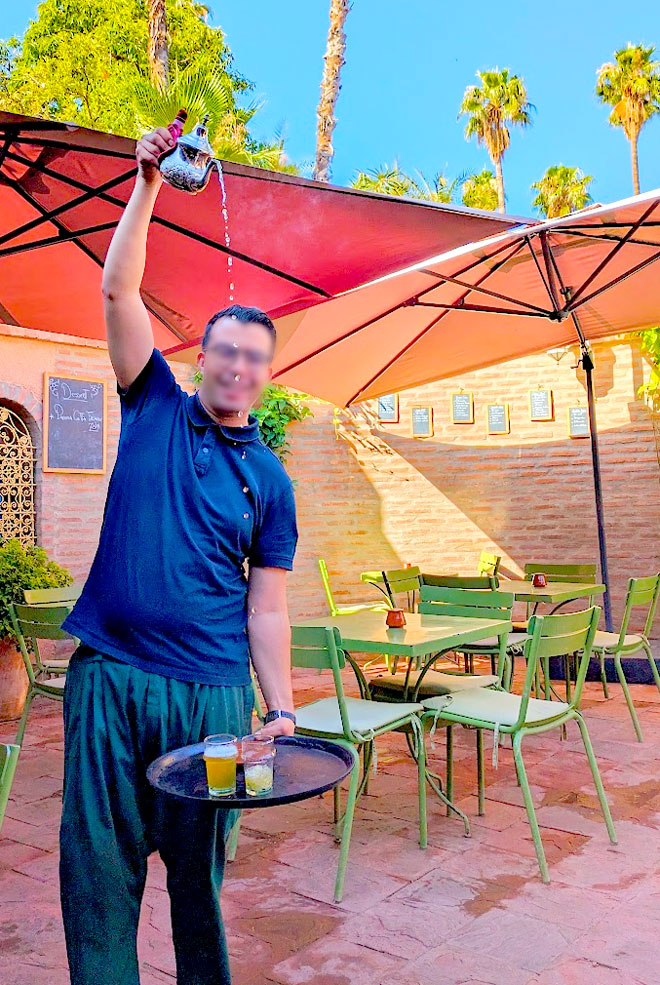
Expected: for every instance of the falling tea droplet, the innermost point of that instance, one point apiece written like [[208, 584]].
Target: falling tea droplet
[[237, 377]]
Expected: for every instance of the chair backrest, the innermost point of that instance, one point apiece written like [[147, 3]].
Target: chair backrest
[[400, 580], [52, 596], [325, 578], [465, 602], [641, 592], [34, 623], [8, 760], [489, 564], [320, 648], [483, 583], [555, 636], [584, 574]]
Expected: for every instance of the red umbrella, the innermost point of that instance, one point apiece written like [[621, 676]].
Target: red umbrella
[[292, 242]]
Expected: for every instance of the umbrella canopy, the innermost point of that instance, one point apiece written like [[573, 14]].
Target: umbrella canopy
[[292, 242], [587, 275]]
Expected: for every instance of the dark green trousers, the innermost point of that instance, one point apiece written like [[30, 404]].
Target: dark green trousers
[[117, 719]]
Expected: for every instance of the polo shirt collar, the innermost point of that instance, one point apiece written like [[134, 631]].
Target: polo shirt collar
[[200, 419]]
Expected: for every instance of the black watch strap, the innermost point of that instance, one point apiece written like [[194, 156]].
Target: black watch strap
[[276, 713]]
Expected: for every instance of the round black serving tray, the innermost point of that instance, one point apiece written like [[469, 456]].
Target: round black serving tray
[[304, 767]]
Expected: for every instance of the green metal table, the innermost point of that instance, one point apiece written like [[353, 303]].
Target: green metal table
[[422, 636], [554, 593]]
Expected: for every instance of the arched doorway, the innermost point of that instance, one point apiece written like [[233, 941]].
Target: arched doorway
[[17, 459]]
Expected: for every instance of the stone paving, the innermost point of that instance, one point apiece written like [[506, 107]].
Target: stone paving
[[464, 911]]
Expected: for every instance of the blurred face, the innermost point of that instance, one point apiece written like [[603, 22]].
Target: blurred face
[[235, 365]]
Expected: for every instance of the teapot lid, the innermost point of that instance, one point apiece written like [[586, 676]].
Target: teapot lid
[[198, 137]]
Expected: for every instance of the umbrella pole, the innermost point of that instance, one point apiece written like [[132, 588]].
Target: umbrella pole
[[588, 367]]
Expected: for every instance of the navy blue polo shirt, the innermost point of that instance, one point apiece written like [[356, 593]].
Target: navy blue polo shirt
[[188, 503]]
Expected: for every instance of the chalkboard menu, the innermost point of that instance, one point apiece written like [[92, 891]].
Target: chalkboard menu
[[74, 424], [462, 408], [388, 408], [578, 422], [497, 417], [541, 405], [422, 422]]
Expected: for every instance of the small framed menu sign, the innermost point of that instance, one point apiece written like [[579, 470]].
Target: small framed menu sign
[[422, 422], [578, 422], [541, 407], [388, 408], [75, 425], [497, 418], [462, 407]]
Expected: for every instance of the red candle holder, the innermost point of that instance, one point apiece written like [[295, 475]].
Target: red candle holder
[[539, 580], [395, 618]]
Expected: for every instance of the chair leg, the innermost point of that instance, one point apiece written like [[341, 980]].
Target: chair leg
[[23, 722], [232, 840], [449, 784], [626, 694], [481, 810], [603, 675], [654, 668], [347, 824], [529, 806], [421, 780], [598, 783], [567, 676], [336, 798]]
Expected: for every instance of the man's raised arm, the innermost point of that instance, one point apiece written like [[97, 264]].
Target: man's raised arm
[[130, 337]]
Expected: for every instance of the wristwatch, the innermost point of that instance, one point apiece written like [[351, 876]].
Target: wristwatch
[[276, 713]]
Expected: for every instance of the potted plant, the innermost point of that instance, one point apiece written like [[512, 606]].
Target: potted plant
[[20, 568]]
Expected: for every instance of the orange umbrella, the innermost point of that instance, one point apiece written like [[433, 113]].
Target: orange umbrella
[[585, 276]]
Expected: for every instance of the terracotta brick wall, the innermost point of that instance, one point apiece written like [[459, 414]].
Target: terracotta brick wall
[[371, 496]]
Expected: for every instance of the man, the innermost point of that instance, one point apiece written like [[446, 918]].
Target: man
[[168, 621]]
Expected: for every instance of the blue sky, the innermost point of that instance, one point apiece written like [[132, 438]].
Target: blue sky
[[407, 65]]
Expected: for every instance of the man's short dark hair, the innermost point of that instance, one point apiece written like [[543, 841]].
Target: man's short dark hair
[[243, 314]]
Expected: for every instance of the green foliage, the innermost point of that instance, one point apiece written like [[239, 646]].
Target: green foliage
[[21, 568], [650, 342], [85, 61], [498, 100], [480, 191], [561, 190], [631, 85], [391, 180], [279, 408]]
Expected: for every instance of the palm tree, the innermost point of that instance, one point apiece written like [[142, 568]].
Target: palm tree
[[158, 51], [480, 191], [500, 99], [330, 86], [631, 85], [561, 190], [391, 180]]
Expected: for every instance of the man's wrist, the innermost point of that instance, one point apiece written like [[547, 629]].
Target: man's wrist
[[275, 713]]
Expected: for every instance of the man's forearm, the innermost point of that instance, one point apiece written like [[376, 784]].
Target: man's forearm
[[124, 265], [270, 646]]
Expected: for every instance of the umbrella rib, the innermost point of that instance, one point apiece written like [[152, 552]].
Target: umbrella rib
[[609, 239], [613, 283], [427, 328], [610, 256], [66, 206], [92, 256], [409, 301], [159, 220], [482, 290], [459, 306], [540, 271], [63, 237], [549, 260], [71, 148]]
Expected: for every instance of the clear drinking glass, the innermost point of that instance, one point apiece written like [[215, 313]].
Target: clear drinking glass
[[258, 755], [220, 752]]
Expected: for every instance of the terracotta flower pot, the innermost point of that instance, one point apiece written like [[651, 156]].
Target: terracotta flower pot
[[13, 681]]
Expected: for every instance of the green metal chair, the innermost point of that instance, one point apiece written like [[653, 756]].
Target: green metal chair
[[500, 711], [34, 623], [8, 762], [642, 592], [399, 581], [68, 595], [347, 610], [353, 723], [489, 564], [465, 603]]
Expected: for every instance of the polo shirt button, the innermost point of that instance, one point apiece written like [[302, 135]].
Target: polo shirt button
[[205, 450], [246, 516], [245, 489]]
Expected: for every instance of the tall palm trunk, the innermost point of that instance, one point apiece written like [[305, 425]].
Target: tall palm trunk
[[499, 178], [330, 86], [634, 161], [158, 52]]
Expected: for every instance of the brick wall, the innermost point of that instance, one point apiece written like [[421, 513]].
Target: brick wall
[[371, 496]]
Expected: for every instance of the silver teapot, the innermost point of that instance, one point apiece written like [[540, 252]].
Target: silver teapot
[[189, 164]]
